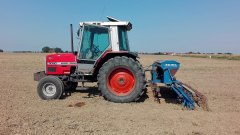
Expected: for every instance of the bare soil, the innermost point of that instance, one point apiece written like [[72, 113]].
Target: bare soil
[[85, 112]]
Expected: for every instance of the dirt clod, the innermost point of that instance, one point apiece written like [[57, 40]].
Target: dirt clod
[[79, 104]]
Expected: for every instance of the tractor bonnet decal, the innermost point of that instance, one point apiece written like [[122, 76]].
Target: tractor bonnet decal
[[62, 63]]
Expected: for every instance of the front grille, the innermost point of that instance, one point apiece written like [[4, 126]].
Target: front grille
[[52, 69]]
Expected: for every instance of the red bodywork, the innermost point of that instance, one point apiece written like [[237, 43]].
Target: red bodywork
[[63, 63], [60, 63]]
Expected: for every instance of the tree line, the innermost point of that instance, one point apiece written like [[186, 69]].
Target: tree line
[[47, 49], [173, 53]]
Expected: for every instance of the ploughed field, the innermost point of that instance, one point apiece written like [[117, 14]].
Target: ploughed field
[[85, 112]]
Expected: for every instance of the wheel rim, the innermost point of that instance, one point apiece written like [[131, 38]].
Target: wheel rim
[[121, 81], [49, 89]]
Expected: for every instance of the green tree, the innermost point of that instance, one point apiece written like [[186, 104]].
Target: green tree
[[46, 49], [58, 50]]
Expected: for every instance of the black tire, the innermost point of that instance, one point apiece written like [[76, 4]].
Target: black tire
[[111, 66], [50, 87], [70, 86]]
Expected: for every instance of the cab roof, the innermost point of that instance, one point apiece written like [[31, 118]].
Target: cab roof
[[111, 22]]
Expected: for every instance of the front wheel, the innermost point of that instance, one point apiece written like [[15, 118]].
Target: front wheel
[[121, 80], [50, 87]]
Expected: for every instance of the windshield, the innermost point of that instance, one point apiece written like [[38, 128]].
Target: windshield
[[95, 41]]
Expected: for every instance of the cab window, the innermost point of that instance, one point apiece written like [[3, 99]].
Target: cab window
[[95, 41], [123, 40]]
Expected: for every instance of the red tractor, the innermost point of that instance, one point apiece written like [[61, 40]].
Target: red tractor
[[103, 56]]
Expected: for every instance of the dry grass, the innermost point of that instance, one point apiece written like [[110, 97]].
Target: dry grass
[[23, 112]]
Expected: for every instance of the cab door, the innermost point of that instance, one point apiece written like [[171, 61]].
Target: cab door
[[94, 42]]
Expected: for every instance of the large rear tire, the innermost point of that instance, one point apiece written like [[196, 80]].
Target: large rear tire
[[50, 87], [121, 80]]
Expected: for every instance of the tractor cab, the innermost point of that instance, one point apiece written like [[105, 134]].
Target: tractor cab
[[99, 38]]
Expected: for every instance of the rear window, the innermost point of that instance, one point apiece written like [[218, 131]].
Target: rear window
[[123, 40]]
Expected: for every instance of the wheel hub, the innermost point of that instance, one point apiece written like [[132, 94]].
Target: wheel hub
[[49, 89], [121, 81]]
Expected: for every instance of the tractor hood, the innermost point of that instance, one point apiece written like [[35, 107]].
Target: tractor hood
[[61, 57], [60, 63]]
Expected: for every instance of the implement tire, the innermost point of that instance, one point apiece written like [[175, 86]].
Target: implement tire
[[121, 80]]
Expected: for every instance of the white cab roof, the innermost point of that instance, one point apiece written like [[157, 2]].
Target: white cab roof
[[111, 22]]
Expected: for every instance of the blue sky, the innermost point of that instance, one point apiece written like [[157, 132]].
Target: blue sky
[[158, 25]]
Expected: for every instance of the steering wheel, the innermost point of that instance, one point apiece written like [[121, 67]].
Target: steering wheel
[[92, 53], [96, 50]]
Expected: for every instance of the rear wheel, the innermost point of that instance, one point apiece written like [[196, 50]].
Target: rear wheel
[[50, 87], [121, 79]]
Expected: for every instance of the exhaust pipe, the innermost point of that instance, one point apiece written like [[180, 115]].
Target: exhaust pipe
[[71, 32]]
